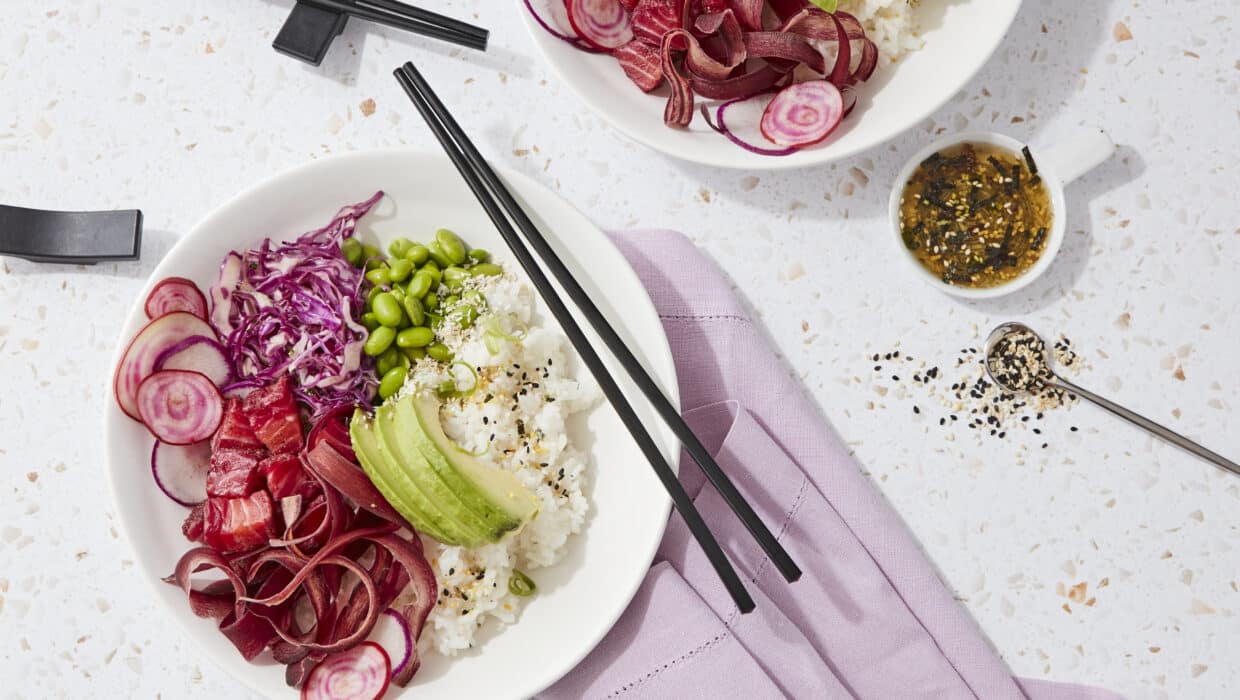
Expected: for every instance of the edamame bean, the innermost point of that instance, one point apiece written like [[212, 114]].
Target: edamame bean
[[370, 297], [398, 294], [479, 255], [372, 255], [430, 301], [392, 381], [351, 248], [389, 359], [380, 339], [488, 269], [379, 276], [475, 297], [413, 354], [399, 247], [416, 337], [465, 315], [420, 284], [417, 254], [370, 321], [413, 308], [399, 269], [437, 254], [440, 352], [434, 320], [452, 246], [451, 300], [388, 310], [454, 277], [433, 270]]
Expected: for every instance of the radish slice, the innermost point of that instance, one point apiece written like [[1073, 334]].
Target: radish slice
[[361, 673], [221, 293], [180, 407], [747, 111], [392, 633], [180, 471], [603, 24], [176, 294], [138, 362], [197, 353], [803, 114]]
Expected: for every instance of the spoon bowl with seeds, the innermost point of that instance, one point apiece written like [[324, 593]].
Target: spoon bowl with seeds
[[1016, 360]]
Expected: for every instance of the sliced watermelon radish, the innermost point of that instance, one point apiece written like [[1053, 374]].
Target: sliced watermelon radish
[[180, 471], [803, 114], [603, 24], [361, 673], [138, 362], [180, 407], [197, 353], [176, 294], [393, 634]]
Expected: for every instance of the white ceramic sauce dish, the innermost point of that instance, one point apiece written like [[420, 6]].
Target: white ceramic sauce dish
[[1058, 165]]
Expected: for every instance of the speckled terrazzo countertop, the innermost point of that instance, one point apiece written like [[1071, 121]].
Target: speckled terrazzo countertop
[[1105, 558]]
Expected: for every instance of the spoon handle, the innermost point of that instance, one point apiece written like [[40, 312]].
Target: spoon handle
[[1161, 431]]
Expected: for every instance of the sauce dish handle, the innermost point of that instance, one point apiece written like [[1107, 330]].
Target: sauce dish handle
[[1074, 157]]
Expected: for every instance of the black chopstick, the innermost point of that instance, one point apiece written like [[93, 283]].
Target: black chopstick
[[409, 11], [770, 545], [475, 170], [410, 19]]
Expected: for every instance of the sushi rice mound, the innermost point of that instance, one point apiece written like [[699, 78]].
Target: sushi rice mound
[[516, 419], [890, 24]]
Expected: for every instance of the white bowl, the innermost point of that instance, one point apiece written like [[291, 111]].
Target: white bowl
[[895, 99], [579, 599], [1057, 166]]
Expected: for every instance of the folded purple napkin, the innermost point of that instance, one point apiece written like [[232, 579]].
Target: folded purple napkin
[[869, 617]]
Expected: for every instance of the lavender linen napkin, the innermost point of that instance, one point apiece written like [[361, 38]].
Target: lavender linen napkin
[[869, 618]]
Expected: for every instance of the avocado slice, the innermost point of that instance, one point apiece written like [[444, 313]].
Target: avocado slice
[[396, 486], [397, 434], [496, 495]]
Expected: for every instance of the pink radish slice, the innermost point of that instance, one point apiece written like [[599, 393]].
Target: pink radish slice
[[180, 407], [360, 673], [803, 114], [603, 24], [198, 354], [221, 293], [737, 121], [138, 362], [180, 471], [176, 294]]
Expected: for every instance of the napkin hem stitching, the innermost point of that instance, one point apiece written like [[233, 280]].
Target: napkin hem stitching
[[700, 317], [637, 682]]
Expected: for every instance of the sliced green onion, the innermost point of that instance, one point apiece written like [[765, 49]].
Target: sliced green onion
[[520, 584]]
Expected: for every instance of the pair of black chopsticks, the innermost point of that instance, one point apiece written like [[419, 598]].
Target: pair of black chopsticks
[[498, 201], [313, 25]]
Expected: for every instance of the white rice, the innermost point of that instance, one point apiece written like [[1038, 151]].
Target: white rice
[[537, 370], [891, 24]]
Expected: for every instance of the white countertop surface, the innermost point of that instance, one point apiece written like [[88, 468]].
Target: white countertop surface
[[137, 103]]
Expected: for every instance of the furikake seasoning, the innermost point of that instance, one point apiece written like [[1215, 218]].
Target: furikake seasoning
[[976, 215]]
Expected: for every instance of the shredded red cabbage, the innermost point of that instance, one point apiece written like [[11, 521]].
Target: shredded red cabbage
[[289, 309]]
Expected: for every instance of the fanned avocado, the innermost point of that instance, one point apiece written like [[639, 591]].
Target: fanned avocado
[[494, 494], [396, 485], [451, 496]]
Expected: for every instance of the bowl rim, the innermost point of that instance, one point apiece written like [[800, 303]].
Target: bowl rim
[[812, 157], [127, 524], [1054, 187]]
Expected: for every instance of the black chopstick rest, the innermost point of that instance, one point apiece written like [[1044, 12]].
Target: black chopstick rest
[[79, 237], [308, 32]]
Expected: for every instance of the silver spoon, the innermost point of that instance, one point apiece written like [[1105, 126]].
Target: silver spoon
[[1016, 360]]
